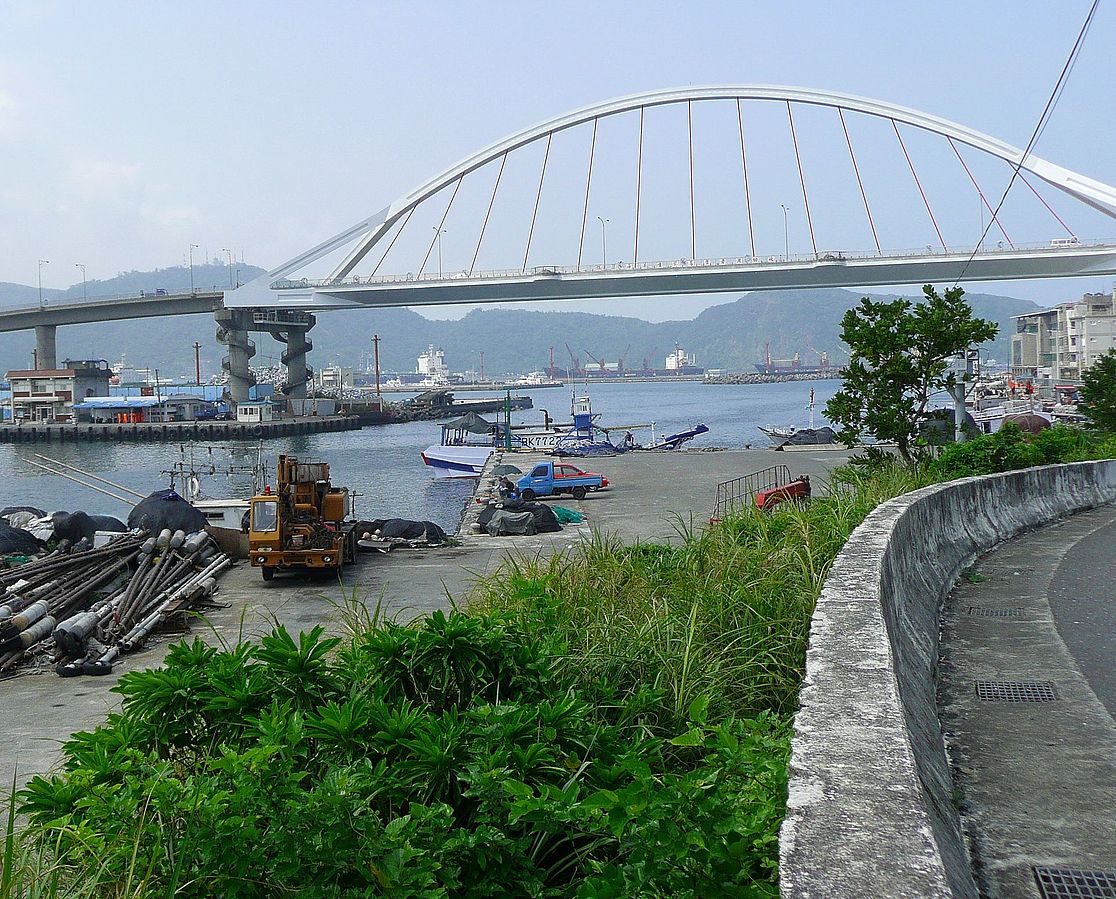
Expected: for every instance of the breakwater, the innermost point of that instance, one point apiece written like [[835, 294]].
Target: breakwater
[[760, 378], [174, 431]]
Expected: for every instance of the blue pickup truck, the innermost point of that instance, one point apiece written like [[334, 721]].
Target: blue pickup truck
[[551, 479]]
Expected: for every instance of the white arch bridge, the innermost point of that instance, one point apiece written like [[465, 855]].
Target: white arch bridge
[[355, 259]]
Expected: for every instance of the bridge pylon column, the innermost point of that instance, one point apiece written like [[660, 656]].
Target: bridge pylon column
[[232, 330], [46, 346], [290, 326]]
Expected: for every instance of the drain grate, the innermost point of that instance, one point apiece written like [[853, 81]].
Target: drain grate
[[1015, 691], [979, 612], [1072, 883]]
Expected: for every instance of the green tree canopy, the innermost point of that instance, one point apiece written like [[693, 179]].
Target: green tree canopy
[[1098, 391], [898, 361]]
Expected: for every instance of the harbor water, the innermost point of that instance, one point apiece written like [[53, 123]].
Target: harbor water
[[382, 464]]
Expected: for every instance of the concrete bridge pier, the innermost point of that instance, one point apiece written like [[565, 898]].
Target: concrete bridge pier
[[46, 346], [232, 330], [294, 357]]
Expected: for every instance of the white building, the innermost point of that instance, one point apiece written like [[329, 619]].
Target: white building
[[1057, 345], [333, 377]]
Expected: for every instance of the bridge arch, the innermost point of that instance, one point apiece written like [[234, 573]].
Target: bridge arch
[[369, 232]]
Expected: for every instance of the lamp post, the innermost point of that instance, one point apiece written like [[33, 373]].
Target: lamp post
[[82, 267], [42, 262], [439, 232], [228, 252], [604, 246], [193, 247], [786, 236]]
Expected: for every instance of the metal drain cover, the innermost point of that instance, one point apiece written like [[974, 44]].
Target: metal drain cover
[[1073, 883], [1015, 691], [980, 612]]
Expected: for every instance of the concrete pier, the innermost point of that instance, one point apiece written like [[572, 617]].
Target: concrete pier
[[176, 431], [46, 346]]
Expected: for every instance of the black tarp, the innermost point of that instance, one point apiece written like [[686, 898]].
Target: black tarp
[[543, 517], [403, 529], [17, 540], [503, 523], [165, 509], [75, 526]]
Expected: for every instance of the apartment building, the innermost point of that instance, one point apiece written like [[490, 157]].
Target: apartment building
[[1055, 346]]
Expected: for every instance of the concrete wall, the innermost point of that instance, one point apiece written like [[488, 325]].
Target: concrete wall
[[870, 809]]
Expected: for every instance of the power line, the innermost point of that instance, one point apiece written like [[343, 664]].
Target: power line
[[1044, 119]]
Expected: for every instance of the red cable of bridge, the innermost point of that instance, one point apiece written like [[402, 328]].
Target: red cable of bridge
[[802, 180], [1047, 205], [860, 184], [394, 239], [438, 230], [918, 184], [588, 184], [744, 168], [492, 199], [988, 205], [538, 196], [639, 186], [693, 217]]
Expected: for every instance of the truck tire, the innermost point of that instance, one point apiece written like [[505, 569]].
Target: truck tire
[[578, 493], [268, 572], [528, 495]]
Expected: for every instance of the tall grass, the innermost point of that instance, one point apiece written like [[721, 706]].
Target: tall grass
[[724, 615]]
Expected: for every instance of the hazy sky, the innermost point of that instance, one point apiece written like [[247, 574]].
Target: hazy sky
[[130, 131]]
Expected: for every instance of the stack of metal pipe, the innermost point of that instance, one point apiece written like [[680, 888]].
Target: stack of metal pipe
[[83, 609]]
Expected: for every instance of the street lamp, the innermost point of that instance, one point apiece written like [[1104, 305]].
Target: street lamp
[[786, 236], [42, 262], [193, 247], [439, 232], [82, 267], [229, 252], [604, 253]]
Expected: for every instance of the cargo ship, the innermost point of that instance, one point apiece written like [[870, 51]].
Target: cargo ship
[[793, 365]]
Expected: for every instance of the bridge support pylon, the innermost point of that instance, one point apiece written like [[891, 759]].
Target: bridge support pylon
[[290, 327], [46, 346], [232, 330]]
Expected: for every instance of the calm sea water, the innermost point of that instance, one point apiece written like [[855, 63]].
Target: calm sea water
[[382, 463]]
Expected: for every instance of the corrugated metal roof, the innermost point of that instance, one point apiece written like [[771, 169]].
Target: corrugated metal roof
[[119, 402]]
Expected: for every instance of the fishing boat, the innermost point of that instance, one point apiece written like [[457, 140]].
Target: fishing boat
[[468, 441], [790, 438]]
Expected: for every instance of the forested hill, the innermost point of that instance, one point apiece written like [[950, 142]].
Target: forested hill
[[728, 336]]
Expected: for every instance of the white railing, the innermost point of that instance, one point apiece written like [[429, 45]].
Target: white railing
[[822, 257]]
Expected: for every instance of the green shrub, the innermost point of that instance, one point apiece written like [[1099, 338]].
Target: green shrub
[[1010, 448], [455, 757]]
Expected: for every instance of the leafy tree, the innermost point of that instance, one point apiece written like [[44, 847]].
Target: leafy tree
[[1099, 391], [898, 353]]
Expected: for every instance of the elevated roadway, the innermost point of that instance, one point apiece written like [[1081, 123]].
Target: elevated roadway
[[113, 309]]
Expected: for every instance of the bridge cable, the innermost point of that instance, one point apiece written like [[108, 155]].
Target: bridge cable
[[588, 184], [639, 186], [744, 168], [538, 196], [856, 169], [1049, 208], [1047, 112], [987, 205], [802, 180], [438, 230], [693, 217], [918, 184], [492, 199], [394, 239]]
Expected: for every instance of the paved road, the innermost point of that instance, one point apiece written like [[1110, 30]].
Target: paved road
[[1036, 781]]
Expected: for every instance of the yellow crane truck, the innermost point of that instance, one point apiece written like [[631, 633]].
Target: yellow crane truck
[[302, 524]]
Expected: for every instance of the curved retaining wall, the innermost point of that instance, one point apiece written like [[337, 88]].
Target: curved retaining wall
[[870, 810]]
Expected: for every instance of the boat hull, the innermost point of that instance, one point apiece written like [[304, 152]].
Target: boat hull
[[456, 461]]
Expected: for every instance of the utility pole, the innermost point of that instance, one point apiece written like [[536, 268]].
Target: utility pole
[[193, 247], [197, 363], [82, 267], [228, 252], [604, 252], [42, 262], [376, 357], [482, 366], [786, 236]]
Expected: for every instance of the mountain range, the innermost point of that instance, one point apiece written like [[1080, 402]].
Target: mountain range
[[730, 336]]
